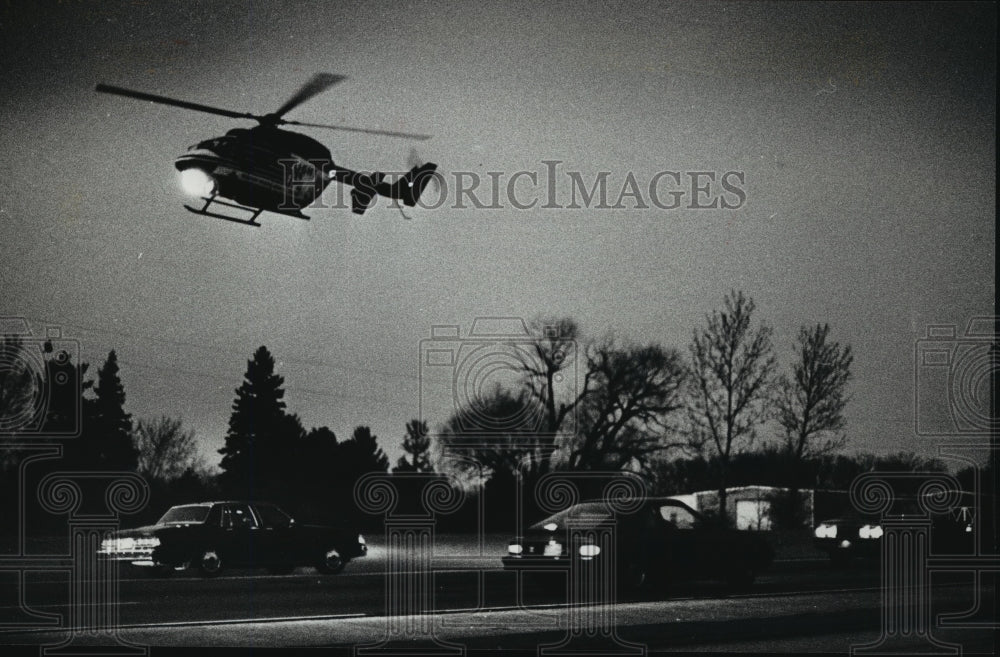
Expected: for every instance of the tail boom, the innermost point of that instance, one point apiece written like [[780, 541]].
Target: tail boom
[[406, 188]]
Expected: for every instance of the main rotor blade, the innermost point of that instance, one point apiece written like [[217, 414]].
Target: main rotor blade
[[367, 131], [163, 100], [318, 84]]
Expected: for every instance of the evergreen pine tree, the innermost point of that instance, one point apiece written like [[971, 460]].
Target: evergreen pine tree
[[253, 456], [363, 455], [107, 430], [417, 444]]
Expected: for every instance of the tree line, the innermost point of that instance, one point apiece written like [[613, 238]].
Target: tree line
[[684, 421], [638, 405]]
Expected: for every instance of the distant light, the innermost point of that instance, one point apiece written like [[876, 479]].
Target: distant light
[[196, 182], [551, 527], [515, 548], [553, 549], [589, 551]]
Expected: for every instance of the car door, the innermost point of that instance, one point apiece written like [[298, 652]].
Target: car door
[[240, 534], [680, 533], [276, 541]]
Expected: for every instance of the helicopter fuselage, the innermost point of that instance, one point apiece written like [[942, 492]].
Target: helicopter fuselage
[[266, 168], [281, 171], [263, 167]]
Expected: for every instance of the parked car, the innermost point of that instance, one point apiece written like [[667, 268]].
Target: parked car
[[211, 536], [859, 535], [662, 540]]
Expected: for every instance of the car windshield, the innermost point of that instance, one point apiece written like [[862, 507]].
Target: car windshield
[[584, 513], [184, 514]]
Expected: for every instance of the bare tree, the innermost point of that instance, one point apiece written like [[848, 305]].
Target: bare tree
[[623, 421], [731, 367], [552, 382], [553, 352], [19, 385], [810, 404], [499, 448], [166, 450]]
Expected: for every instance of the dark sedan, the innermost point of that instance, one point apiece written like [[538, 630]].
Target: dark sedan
[[853, 534], [662, 539], [211, 536]]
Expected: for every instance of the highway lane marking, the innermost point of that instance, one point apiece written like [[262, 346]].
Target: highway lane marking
[[206, 623], [444, 612], [66, 604], [322, 617]]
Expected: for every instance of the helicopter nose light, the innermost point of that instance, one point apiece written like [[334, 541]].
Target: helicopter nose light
[[196, 182]]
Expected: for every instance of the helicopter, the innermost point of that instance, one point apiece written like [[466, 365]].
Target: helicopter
[[265, 168]]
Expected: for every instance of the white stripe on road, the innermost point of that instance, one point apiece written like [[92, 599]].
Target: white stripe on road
[[440, 612], [223, 621], [56, 605]]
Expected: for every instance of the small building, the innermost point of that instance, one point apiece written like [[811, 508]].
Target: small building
[[750, 507]]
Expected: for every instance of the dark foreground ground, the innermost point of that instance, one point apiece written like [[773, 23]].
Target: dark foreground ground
[[801, 605]]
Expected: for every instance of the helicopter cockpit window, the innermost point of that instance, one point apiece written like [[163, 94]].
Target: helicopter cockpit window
[[210, 144]]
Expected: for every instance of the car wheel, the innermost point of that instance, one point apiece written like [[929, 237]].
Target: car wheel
[[330, 562], [209, 563], [281, 569], [741, 578]]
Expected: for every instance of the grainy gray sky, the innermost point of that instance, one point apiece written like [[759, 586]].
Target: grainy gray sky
[[865, 133]]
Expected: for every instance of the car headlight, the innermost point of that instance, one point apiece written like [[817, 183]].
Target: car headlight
[[515, 548], [361, 539], [553, 549], [870, 531], [826, 531], [589, 551]]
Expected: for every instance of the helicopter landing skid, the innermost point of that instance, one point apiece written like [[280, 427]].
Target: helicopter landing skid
[[254, 212]]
